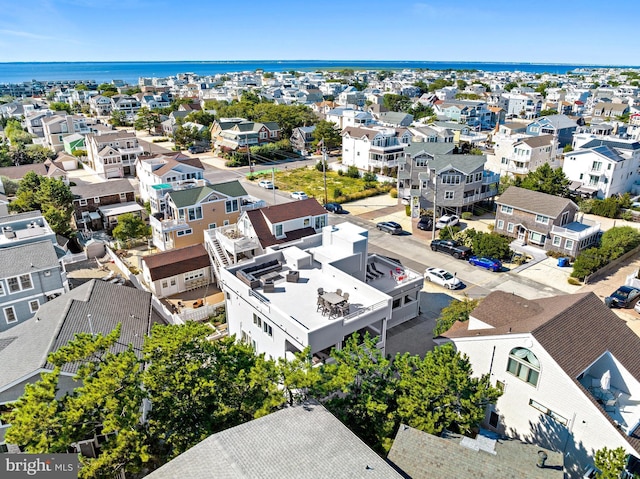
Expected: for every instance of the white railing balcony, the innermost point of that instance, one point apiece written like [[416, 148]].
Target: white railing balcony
[[164, 226], [490, 178], [233, 241], [252, 204], [577, 230], [130, 151], [517, 170]]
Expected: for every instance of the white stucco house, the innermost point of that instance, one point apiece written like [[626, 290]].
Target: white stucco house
[[373, 147], [316, 293], [569, 370]]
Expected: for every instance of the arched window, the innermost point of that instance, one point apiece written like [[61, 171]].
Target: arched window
[[524, 365]]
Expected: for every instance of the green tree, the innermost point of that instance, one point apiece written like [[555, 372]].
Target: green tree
[[439, 392], [438, 84], [107, 87], [201, 117], [420, 111], [547, 180], [130, 227], [118, 118], [107, 401], [461, 84], [396, 102], [548, 112], [60, 106], [184, 136], [424, 88], [199, 387], [328, 132], [618, 240], [146, 120], [359, 389], [492, 245], [16, 134], [588, 261], [510, 86], [611, 462], [456, 311]]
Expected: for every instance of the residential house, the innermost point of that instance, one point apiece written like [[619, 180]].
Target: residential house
[[394, 119], [153, 101], [90, 197], [250, 450], [344, 117], [190, 212], [30, 275], [606, 110], [600, 171], [74, 142], [301, 139], [472, 113], [547, 221], [560, 126], [177, 270], [454, 182], [100, 105], [159, 174], [114, 154], [520, 105], [568, 370], [431, 134], [127, 104], [415, 161], [277, 301], [420, 455], [373, 147], [350, 97], [517, 155], [231, 135], [261, 228], [23, 228], [170, 125], [56, 128], [33, 121], [460, 132], [50, 169], [95, 307]]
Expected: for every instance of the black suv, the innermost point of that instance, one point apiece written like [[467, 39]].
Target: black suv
[[425, 223], [454, 248], [333, 207]]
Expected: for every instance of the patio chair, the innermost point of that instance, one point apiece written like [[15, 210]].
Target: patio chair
[[319, 304], [339, 292], [320, 290], [345, 296]]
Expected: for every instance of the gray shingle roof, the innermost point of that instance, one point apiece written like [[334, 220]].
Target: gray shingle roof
[[104, 188], [431, 148], [557, 121], [421, 455], [27, 258], [301, 441], [57, 321], [534, 201], [466, 164]]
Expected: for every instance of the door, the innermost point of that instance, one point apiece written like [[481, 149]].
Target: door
[[522, 233]]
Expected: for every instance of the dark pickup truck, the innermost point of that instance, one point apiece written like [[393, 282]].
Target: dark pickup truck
[[454, 248]]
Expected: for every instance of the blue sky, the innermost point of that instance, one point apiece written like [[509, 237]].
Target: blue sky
[[562, 31]]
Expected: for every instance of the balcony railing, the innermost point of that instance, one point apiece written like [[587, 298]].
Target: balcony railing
[[489, 178], [233, 241], [167, 225], [579, 231]]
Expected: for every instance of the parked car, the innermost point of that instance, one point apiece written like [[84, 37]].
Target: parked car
[[390, 227], [196, 149], [447, 220], [334, 207], [486, 263], [455, 249], [623, 297], [425, 223], [406, 200], [442, 277], [299, 195], [266, 184]]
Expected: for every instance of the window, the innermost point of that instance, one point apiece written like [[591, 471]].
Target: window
[[10, 315], [320, 222], [266, 327], [19, 283], [542, 219], [1, 289], [500, 224], [596, 166], [506, 209], [123, 196], [194, 213], [524, 365], [504, 161], [165, 284], [225, 223], [396, 303], [450, 179], [568, 244], [545, 410], [448, 195], [212, 226], [83, 202], [34, 305], [493, 419], [279, 230], [173, 281], [256, 320], [537, 238], [510, 227], [25, 282], [96, 200], [188, 231], [557, 241], [194, 275], [479, 176], [306, 222], [231, 206]]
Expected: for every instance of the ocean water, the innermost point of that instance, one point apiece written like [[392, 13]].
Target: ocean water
[[130, 71]]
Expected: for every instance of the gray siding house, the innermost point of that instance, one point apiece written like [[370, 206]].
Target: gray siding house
[[30, 275], [547, 221]]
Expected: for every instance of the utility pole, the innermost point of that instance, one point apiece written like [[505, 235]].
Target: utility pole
[[324, 169], [273, 182], [435, 195]]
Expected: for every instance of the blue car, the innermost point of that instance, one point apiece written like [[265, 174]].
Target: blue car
[[487, 263]]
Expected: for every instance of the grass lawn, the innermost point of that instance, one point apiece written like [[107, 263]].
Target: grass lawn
[[310, 181]]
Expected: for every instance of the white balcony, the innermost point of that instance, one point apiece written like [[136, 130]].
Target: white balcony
[[577, 230], [164, 226]]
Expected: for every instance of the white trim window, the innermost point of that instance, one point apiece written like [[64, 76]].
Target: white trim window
[[542, 219], [34, 305], [448, 195], [507, 210], [557, 240], [82, 202], [186, 232], [524, 365], [231, 206], [500, 224], [10, 315], [2, 293], [568, 244], [19, 283], [191, 275], [510, 227]]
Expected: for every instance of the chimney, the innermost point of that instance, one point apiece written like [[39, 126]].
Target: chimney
[[542, 458]]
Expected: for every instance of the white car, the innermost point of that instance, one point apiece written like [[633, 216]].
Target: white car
[[447, 220], [266, 184], [299, 195], [442, 277]]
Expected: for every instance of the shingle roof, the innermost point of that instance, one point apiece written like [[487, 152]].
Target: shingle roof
[[27, 258], [431, 148], [292, 210], [28, 344], [534, 201], [421, 455], [299, 441], [557, 121], [466, 164], [18, 172], [536, 141], [191, 196], [104, 188], [176, 261]]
